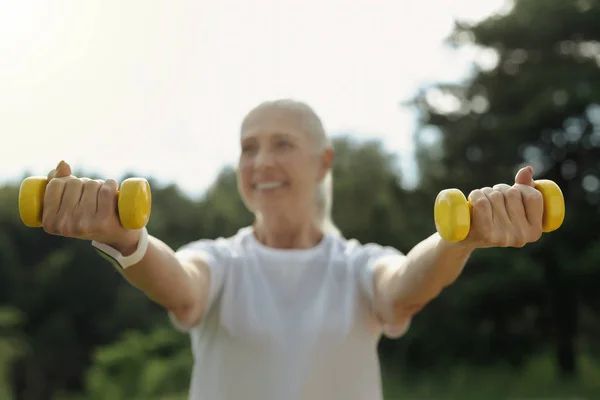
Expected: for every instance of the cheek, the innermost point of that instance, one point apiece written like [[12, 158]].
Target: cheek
[[301, 168], [244, 176]]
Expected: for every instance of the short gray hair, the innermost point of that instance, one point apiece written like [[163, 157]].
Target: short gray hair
[[314, 126]]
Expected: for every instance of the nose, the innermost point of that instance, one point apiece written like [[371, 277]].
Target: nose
[[263, 159]]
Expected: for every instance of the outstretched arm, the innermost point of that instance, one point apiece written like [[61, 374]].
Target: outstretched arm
[[503, 216], [87, 209], [403, 289], [180, 285]]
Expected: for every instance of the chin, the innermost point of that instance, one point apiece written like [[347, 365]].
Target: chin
[[271, 197], [273, 208]]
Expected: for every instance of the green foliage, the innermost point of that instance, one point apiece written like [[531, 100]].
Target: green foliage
[[141, 366], [12, 346], [536, 104], [536, 380]]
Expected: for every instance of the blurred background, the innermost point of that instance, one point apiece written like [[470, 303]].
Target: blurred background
[[419, 97]]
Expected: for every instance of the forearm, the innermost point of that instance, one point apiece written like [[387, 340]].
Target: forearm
[[427, 269], [162, 277]]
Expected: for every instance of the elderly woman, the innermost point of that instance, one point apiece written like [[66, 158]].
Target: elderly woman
[[287, 308]]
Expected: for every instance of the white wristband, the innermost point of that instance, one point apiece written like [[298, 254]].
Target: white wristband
[[117, 258]]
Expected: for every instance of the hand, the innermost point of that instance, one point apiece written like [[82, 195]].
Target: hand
[[83, 208], [506, 216]]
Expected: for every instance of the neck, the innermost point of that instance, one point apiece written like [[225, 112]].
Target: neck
[[282, 233]]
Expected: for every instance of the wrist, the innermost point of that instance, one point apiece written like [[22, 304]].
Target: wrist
[[463, 247], [126, 244], [126, 251]]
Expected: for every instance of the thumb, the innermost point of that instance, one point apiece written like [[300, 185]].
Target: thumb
[[525, 177], [62, 170]]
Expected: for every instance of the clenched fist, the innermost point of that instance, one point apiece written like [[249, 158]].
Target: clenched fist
[[83, 208], [507, 216]]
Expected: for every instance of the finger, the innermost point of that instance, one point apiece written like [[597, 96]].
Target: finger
[[52, 200], [481, 204], [62, 170], [525, 177], [71, 196], [107, 198], [496, 200], [89, 197], [514, 203], [534, 204]]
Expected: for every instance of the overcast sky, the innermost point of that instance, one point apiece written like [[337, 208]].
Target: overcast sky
[[159, 87]]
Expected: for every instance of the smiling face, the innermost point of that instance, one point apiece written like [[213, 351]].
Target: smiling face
[[281, 163]]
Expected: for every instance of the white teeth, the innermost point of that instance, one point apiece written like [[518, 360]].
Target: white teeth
[[269, 185]]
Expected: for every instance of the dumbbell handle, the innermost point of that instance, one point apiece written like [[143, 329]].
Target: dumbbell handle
[[133, 206], [452, 211]]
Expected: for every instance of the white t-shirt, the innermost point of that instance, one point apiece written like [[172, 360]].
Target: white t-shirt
[[288, 324]]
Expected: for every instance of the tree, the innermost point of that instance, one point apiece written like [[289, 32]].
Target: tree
[[536, 103]]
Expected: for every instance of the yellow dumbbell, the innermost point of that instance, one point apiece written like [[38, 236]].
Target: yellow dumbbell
[[134, 202], [452, 211]]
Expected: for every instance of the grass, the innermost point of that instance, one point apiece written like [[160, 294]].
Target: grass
[[536, 381]]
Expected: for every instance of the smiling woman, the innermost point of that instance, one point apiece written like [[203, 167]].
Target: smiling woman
[[287, 308]]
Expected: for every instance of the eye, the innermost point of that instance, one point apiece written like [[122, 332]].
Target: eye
[[248, 148], [283, 144]]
